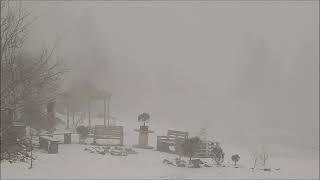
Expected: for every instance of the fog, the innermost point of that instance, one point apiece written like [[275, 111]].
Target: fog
[[248, 71]]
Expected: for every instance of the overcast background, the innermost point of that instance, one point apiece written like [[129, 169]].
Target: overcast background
[[248, 71]]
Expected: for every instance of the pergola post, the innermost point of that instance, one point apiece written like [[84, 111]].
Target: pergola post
[[89, 113], [68, 109], [108, 110], [104, 112]]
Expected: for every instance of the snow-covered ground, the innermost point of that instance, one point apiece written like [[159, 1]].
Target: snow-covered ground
[[73, 162]]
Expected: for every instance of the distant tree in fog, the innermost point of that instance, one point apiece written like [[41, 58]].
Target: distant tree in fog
[[260, 157]]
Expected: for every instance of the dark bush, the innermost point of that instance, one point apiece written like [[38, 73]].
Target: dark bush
[[82, 131], [235, 158]]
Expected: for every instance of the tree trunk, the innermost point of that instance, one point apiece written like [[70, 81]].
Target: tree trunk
[[255, 162], [104, 113], [31, 149]]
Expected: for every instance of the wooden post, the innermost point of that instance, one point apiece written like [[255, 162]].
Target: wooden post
[[73, 114], [104, 112], [108, 110], [68, 109], [31, 148], [89, 113]]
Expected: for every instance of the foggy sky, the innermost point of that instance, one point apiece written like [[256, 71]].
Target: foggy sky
[[243, 69]]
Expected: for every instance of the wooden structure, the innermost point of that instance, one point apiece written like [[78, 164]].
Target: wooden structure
[[108, 132], [95, 95], [143, 137], [173, 138], [49, 144]]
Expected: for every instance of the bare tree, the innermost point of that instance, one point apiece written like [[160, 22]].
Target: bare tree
[[260, 157], [189, 146], [24, 77]]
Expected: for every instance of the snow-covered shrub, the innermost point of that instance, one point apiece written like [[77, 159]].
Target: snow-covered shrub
[[217, 154]]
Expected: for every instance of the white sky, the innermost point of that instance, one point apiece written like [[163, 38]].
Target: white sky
[[242, 69]]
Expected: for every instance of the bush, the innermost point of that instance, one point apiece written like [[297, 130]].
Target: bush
[[144, 117], [217, 154], [235, 158], [82, 131]]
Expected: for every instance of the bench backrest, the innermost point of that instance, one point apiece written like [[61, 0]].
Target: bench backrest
[[114, 131], [177, 134]]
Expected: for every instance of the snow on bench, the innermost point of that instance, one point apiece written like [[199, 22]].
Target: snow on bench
[[108, 132], [173, 138], [66, 136], [50, 144]]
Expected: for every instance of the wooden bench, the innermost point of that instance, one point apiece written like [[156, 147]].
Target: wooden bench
[[204, 149], [108, 132], [50, 144], [173, 138], [66, 136]]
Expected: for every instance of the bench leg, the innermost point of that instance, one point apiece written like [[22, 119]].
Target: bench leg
[[67, 138], [53, 148], [121, 141], [40, 142], [158, 145]]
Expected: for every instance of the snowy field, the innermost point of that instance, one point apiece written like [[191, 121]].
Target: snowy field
[[73, 162]]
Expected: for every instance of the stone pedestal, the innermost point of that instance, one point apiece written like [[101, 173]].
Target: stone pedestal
[[143, 137]]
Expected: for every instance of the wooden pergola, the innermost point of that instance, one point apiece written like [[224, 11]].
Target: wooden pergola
[[96, 96]]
